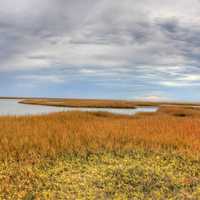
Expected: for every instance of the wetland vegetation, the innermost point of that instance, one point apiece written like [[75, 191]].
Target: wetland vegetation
[[100, 155]]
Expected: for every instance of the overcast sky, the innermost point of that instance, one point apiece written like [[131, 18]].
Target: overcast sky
[[123, 49]]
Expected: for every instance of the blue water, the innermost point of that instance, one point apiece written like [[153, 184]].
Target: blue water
[[12, 107]]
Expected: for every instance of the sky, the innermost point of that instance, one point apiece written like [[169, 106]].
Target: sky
[[113, 49]]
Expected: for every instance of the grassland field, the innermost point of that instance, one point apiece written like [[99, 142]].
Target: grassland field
[[83, 155]]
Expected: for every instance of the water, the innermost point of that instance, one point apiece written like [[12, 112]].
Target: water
[[12, 107]]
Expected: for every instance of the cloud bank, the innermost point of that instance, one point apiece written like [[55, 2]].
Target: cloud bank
[[131, 48]]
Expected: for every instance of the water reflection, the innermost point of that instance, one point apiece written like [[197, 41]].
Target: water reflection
[[12, 107]]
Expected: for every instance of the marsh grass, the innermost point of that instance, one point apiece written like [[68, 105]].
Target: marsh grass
[[34, 137], [180, 111], [98, 103], [101, 155], [89, 103]]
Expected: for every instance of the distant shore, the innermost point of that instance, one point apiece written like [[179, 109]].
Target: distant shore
[[94, 103], [99, 103]]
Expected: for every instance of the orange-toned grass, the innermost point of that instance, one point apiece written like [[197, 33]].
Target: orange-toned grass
[[31, 138], [97, 103], [81, 103], [180, 111]]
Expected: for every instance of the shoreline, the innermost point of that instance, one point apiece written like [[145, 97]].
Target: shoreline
[[100, 103]]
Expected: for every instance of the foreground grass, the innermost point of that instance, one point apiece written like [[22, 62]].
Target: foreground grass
[[78, 155], [32, 138], [140, 174]]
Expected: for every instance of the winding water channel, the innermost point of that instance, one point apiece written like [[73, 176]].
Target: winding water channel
[[12, 107]]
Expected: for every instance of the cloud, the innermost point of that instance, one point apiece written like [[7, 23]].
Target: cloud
[[149, 43], [191, 77], [154, 98], [107, 32], [43, 78]]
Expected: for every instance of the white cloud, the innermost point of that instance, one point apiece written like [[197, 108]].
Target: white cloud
[[191, 77], [43, 78], [179, 83], [153, 98]]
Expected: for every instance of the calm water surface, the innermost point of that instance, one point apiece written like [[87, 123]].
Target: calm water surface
[[12, 107]]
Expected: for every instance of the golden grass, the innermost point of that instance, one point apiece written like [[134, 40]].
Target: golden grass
[[96, 103], [81, 103], [76, 155], [31, 138], [180, 111]]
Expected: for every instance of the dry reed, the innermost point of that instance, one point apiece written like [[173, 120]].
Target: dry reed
[[31, 138], [97, 103]]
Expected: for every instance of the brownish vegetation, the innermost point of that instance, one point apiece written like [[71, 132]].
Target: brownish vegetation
[[96, 103], [90, 103], [82, 155], [30, 138], [180, 111]]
